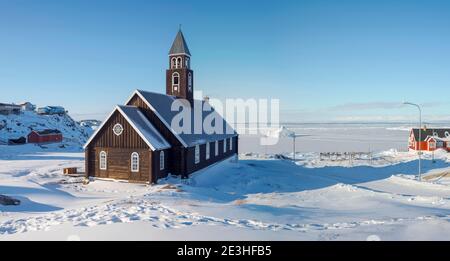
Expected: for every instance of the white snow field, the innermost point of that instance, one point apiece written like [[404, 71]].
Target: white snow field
[[254, 199]]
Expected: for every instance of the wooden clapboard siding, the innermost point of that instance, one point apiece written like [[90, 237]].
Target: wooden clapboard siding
[[128, 139], [182, 159], [175, 160], [157, 173], [119, 150], [191, 166], [119, 164]]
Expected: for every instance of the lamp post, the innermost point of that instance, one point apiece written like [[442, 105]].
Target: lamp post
[[420, 135], [294, 146]]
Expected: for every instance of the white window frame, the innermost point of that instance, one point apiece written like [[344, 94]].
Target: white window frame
[[179, 62], [175, 74], [216, 148], [207, 154], [197, 154], [173, 62], [432, 145], [134, 165], [118, 125], [224, 145], [231, 143], [103, 160], [161, 160]]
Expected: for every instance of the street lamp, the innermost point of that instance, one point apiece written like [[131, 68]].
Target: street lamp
[[420, 135]]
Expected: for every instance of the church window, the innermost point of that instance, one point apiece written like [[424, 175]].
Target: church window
[[161, 160], [207, 154], [134, 162], [173, 63], [103, 160], [118, 129], [197, 154], [175, 81]]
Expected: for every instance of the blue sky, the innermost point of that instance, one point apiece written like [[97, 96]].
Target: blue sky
[[324, 60]]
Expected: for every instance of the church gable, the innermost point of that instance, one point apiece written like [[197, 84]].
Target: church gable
[[127, 127], [106, 137]]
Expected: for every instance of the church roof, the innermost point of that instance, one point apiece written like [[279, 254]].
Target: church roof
[[140, 124], [179, 45], [161, 105]]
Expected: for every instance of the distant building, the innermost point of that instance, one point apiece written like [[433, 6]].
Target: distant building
[[90, 123], [50, 110], [45, 136], [19, 141], [430, 140], [9, 108], [27, 106]]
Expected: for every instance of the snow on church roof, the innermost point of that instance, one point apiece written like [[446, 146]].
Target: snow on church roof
[[161, 104], [141, 125]]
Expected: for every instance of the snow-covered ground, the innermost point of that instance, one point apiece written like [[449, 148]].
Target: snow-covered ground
[[258, 198]]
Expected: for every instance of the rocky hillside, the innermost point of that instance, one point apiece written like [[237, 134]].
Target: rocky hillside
[[16, 126]]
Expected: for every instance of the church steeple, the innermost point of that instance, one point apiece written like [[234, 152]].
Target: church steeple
[[179, 45], [179, 76]]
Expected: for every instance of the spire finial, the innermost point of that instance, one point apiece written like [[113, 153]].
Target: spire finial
[[179, 27]]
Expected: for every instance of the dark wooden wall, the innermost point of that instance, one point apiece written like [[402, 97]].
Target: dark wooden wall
[[119, 150], [128, 139], [119, 164], [182, 159], [157, 173], [183, 86], [191, 166], [179, 160]]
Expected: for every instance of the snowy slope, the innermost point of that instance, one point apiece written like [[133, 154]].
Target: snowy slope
[[16, 126]]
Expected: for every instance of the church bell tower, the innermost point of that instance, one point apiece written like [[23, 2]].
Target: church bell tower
[[179, 76]]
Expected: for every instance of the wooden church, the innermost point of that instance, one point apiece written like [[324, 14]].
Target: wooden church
[[137, 143]]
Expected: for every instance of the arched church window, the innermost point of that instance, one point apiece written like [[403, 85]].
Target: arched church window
[[179, 62], [103, 160], [134, 162], [175, 81], [173, 63]]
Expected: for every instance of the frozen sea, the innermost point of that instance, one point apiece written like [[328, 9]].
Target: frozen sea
[[337, 137]]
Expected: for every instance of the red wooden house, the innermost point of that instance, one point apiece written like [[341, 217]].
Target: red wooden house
[[430, 139], [45, 136]]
